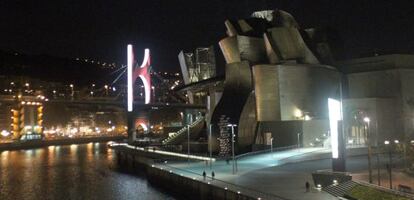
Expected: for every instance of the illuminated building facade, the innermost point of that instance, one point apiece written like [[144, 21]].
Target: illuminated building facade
[[277, 82], [278, 79], [195, 67], [27, 118]]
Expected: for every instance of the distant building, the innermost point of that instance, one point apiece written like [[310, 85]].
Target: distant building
[[382, 89], [195, 67]]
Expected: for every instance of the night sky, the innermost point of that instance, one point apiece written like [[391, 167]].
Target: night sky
[[101, 29]]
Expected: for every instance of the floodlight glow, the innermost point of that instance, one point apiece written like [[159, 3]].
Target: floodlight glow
[[144, 126], [298, 113], [130, 97], [5, 133], [334, 107]]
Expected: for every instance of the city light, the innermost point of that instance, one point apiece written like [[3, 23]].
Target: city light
[[298, 113], [5, 133]]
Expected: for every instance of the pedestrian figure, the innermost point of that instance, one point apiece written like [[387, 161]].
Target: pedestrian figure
[[212, 175], [228, 161], [307, 185], [204, 175]]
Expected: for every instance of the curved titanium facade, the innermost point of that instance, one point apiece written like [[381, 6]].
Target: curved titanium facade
[[247, 124], [237, 87], [295, 91], [243, 48]]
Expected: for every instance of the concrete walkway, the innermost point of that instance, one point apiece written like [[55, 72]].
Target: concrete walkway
[[258, 174]]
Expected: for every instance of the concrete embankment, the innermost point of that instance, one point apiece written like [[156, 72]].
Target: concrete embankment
[[173, 182], [44, 143]]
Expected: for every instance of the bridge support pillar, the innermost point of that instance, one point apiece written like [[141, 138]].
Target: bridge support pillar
[[132, 135]]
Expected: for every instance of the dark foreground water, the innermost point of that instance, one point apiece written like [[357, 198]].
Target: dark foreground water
[[87, 171]]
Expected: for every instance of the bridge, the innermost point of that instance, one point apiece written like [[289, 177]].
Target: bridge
[[115, 97]]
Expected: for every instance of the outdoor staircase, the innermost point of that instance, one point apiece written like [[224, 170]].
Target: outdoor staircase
[[339, 190], [181, 135]]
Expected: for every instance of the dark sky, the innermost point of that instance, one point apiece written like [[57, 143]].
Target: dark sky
[[101, 29]]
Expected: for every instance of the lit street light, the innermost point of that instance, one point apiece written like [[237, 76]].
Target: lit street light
[[368, 135], [271, 146], [389, 166], [153, 92], [209, 144], [106, 89], [232, 147], [188, 142], [71, 90]]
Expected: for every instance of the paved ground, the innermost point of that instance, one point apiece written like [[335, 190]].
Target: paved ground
[[279, 174], [259, 174]]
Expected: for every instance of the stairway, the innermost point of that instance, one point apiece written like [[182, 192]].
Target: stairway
[[341, 189], [181, 135]]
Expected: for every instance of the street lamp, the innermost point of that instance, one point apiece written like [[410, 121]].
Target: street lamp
[[209, 143], [71, 90], [188, 142], [153, 92], [271, 146], [368, 135], [232, 146], [106, 89], [387, 143]]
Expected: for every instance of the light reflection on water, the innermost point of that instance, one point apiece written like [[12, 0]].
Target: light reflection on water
[[85, 171]]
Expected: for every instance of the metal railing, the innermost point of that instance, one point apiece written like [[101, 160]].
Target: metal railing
[[182, 131]]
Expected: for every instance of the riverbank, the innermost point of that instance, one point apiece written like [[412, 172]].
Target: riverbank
[[45, 143], [185, 184], [254, 179]]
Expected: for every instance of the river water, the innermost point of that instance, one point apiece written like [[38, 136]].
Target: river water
[[87, 171]]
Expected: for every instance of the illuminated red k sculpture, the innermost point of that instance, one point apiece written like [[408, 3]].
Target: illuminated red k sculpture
[[142, 72]]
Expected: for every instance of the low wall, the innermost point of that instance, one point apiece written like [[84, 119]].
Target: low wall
[[189, 188]]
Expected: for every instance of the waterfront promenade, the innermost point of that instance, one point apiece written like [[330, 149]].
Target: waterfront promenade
[[259, 175], [277, 175]]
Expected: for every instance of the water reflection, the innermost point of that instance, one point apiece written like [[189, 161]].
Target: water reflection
[[69, 172]]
